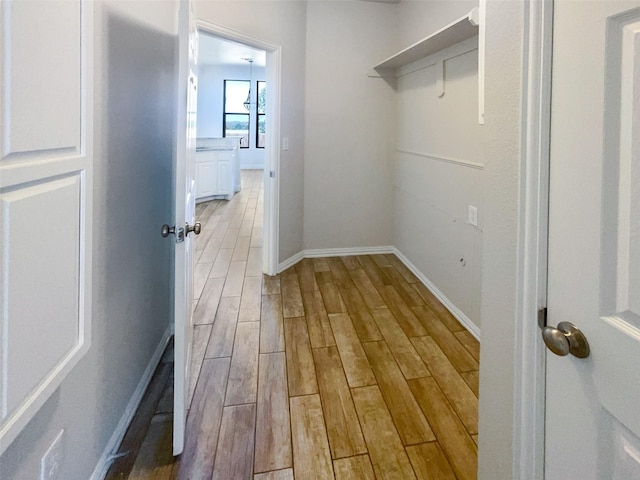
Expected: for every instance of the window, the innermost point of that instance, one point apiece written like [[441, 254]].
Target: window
[[261, 111], [235, 121]]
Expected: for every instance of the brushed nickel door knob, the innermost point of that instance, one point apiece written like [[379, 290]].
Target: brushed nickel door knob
[[196, 228], [167, 230], [566, 339]]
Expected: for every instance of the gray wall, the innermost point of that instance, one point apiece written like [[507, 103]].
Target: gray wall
[[131, 274], [349, 125]]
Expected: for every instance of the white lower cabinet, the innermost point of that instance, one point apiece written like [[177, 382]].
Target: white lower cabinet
[[216, 173]]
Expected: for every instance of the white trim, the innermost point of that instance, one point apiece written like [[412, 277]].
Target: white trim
[[529, 360], [462, 163], [252, 166], [108, 455], [332, 252], [271, 221], [455, 311]]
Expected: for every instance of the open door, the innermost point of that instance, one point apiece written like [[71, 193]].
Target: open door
[[593, 394], [184, 177]]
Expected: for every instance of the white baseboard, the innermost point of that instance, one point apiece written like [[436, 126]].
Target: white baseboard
[[332, 252], [116, 439], [455, 311], [252, 166]]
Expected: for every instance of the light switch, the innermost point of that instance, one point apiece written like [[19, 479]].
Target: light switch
[[285, 143], [473, 216]]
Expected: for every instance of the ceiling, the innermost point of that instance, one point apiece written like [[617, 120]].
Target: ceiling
[[216, 51]]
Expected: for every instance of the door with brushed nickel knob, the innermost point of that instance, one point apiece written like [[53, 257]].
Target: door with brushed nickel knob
[[592, 426]]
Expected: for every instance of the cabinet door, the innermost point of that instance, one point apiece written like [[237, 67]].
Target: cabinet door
[[225, 177], [205, 179]]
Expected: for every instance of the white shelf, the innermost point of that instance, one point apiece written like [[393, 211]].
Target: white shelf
[[457, 31]]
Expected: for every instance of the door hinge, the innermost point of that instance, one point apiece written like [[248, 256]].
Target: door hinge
[[272, 174], [542, 317]]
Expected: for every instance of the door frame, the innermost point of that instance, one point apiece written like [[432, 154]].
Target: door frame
[[533, 220], [271, 222]]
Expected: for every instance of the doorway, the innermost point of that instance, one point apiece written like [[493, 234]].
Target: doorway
[[254, 47]]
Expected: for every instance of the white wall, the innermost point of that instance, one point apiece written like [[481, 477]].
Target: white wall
[[349, 127], [504, 41], [439, 165], [134, 92], [282, 23], [210, 105]]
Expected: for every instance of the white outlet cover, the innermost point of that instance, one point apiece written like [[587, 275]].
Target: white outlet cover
[[473, 216], [51, 461]]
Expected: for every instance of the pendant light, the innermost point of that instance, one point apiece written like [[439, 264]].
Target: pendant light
[[247, 102]]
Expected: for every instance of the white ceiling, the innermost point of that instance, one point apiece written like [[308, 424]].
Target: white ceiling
[[216, 51]]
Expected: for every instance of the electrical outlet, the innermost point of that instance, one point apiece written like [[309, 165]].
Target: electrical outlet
[[51, 461], [473, 216]]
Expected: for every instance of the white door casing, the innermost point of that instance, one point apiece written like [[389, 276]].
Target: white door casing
[[46, 167], [592, 415], [185, 194]]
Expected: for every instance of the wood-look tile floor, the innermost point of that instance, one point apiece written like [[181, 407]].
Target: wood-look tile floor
[[345, 368]]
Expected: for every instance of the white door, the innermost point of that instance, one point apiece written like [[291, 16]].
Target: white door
[[185, 191], [46, 174], [593, 403]]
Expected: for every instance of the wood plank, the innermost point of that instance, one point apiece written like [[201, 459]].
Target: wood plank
[[203, 422], [351, 262], [458, 446], [354, 360], [270, 285], [306, 275], [201, 336], [320, 265], [380, 260], [373, 272], [429, 462], [207, 306], [387, 455], [286, 474], [461, 397], [320, 332], [403, 351], [235, 279], [404, 289], [273, 429], [473, 380], [402, 269], [243, 374], [445, 315], [343, 428], [241, 250], [200, 274], [403, 314], [211, 250], [354, 468], [137, 430], [271, 325], [311, 456], [234, 455], [368, 291], [254, 262], [362, 320], [340, 273], [291, 296], [409, 420], [470, 343], [453, 349], [251, 300], [221, 264], [231, 236], [330, 293], [224, 328], [301, 373], [155, 460]]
